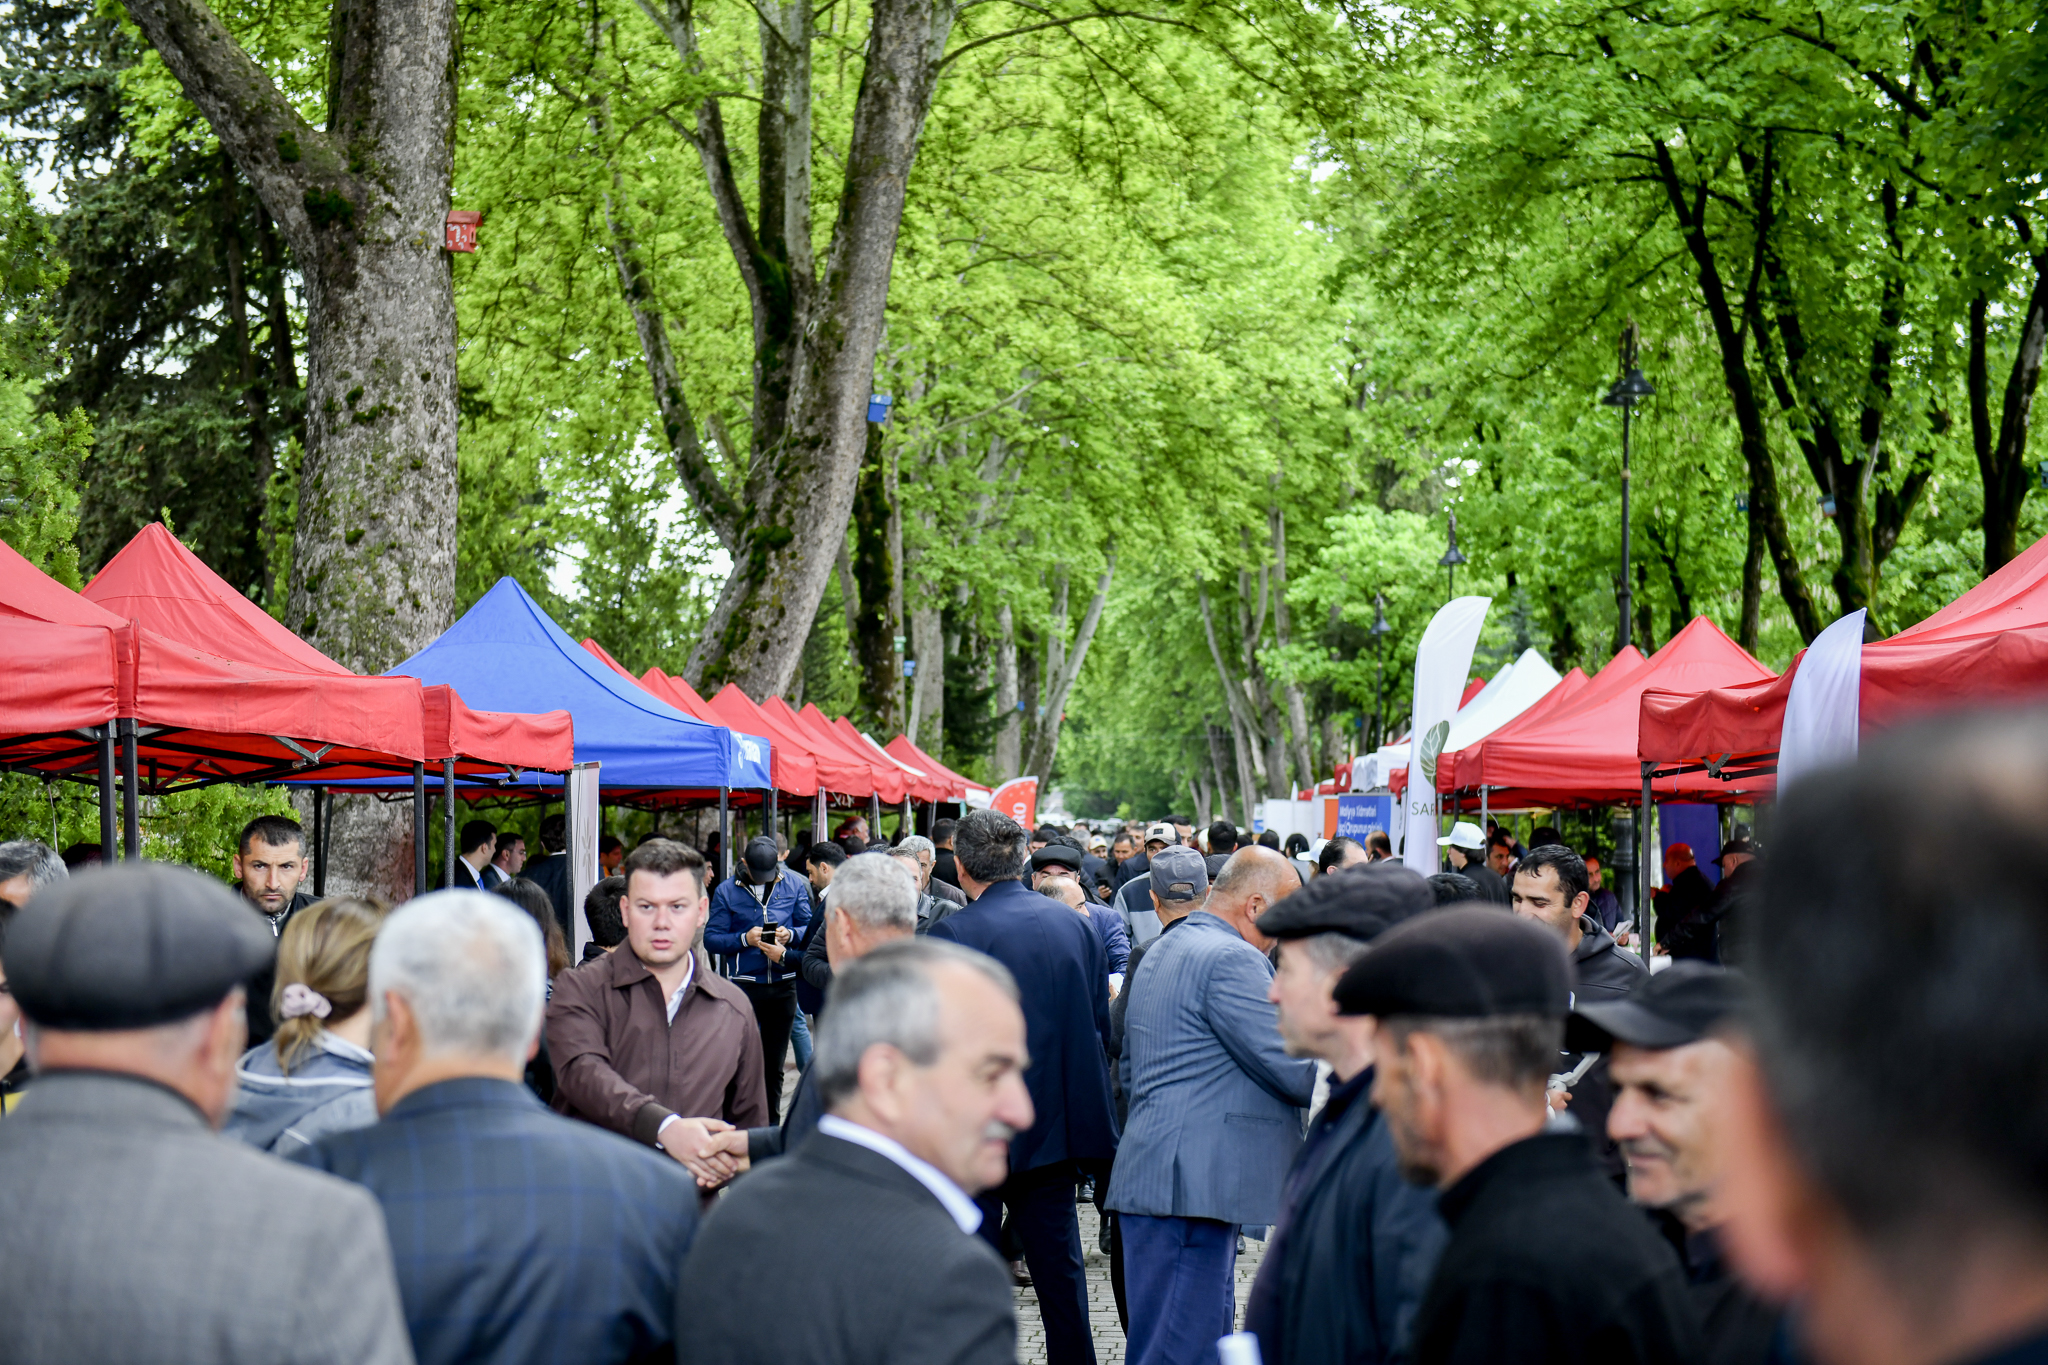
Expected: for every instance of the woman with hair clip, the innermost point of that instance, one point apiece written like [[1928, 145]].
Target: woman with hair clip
[[313, 1077]]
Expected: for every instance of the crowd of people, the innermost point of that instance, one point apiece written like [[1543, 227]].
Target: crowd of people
[[1465, 1120]]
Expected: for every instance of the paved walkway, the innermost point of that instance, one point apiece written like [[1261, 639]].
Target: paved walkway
[[1109, 1336]]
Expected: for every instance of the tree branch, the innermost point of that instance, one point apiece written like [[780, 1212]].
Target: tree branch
[[287, 160]]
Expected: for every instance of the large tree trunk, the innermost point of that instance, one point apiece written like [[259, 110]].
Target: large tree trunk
[[816, 331], [2002, 451], [1065, 669], [874, 569], [1689, 204], [1009, 728], [363, 207]]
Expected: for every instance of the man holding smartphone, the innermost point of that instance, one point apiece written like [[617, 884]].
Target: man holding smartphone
[[756, 918]]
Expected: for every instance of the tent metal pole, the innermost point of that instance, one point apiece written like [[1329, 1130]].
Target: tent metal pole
[[874, 815], [448, 822], [773, 826], [319, 843], [908, 819], [419, 829], [724, 832], [818, 815], [1645, 927], [131, 827], [107, 835]]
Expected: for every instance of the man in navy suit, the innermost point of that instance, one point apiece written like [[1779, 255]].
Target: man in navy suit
[[1062, 981], [518, 1235]]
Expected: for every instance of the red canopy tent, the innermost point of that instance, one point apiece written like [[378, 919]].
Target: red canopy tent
[[1583, 751], [162, 586], [1989, 645], [1568, 687], [797, 770], [904, 751], [883, 780], [921, 787], [183, 716]]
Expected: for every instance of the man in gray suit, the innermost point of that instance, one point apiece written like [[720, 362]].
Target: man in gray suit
[[1215, 1119], [129, 1230]]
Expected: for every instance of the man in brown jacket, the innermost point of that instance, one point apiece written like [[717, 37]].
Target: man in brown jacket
[[651, 1042]]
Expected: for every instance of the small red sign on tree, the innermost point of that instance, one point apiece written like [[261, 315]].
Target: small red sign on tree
[[462, 224]]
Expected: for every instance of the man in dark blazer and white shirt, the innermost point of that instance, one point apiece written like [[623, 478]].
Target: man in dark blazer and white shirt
[[920, 1063], [1060, 966]]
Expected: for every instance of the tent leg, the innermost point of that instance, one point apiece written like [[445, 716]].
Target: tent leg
[[131, 828], [818, 817], [419, 829], [772, 826], [905, 825], [447, 822], [107, 835], [1646, 930], [724, 833], [319, 843], [874, 815]]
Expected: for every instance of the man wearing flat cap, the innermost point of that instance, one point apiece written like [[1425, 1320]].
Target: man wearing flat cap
[[130, 1231], [1673, 1052], [1546, 1261], [1347, 1263]]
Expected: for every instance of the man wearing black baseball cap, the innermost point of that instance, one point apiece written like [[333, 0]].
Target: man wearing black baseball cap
[[1355, 1245], [128, 1229], [757, 919], [1546, 1261], [1673, 1064]]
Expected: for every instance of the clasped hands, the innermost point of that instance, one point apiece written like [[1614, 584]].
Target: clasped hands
[[711, 1150]]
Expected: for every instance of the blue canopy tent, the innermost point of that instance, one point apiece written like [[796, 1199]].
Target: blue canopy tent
[[506, 654]]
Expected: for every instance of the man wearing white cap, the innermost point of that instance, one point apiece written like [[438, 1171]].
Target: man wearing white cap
[[1467, 843]]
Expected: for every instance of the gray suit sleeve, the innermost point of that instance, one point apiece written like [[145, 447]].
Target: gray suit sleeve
[[1245, 1022], [349, 1312]]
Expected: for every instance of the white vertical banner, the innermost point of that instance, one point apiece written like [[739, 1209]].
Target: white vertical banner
[[1442, 663], [580, 793], [1824, 711]]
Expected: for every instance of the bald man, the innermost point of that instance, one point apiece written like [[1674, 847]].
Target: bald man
[[1215, 1118]]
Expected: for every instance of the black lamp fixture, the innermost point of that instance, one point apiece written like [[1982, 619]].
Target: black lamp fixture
[[1628, 391], [1452, 559], [1378, 630]]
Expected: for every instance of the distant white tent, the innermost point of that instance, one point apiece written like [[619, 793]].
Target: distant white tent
[[1513, 690], [1516, 688]]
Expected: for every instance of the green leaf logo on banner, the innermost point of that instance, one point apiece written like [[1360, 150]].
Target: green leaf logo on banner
[[1432, 749]]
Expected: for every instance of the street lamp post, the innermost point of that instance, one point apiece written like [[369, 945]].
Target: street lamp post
[[1452, 559], [1379, 632], [1628, 390]]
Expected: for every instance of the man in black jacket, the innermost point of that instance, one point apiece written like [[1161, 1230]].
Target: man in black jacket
[[269, 864], [1551, 889], [1346, 1266], [920, 1065], [1546, 1261], [1675, 1048], [1685, 925]]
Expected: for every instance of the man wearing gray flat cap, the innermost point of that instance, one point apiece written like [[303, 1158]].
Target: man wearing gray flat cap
[[1546, 1261], [1356, 1244], [129, 1230]]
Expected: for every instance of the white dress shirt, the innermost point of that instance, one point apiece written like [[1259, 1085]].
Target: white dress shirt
[[963, 1209]]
